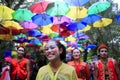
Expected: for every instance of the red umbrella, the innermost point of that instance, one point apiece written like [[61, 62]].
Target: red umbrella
[[39, 7]]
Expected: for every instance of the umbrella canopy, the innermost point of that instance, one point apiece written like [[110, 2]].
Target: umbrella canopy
[[79, 12], [22, 15], [70, 39], [76, 2], [91, 18], [11, 25], [34, 33], [41, 19], [88, 27], [102, 23], [9, 31], [75, 26], [35, 42], [5, 13], [28, 25], [60, 19], [6, 37], [91, 46], [47, 29], [39, 7], [98, 7], [58, 8], [118, 17]]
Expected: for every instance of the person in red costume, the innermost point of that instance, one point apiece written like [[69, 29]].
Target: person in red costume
[[82, 68], [20, 66], [106, 68]]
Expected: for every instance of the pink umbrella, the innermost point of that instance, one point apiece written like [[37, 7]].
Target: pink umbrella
[[28, 25], [39, 7], [60, 19]]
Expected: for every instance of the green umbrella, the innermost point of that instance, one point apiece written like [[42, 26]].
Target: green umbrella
[[22, 15], [58, 8], [98, 7]]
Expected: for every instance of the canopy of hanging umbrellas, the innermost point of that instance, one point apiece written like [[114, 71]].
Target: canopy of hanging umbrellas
[[66, 20]]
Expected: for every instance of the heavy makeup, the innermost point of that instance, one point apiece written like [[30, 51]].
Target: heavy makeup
[[76, 54], [51, 50]]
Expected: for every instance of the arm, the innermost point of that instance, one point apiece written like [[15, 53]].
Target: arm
[[95, 76], [117, 69], [28, 69], [88, 72]]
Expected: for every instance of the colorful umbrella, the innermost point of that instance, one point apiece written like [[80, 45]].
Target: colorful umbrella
[[34, 33], [5, 13], [98, 7], [77, 13], [9, 31], [76, 2], [118, 17], [11, 25], [6, 37], [91, 18], [70, 39], [41, 19], [52, 35], [60, 19], [44, 38], [58, 8], [47, 29], [39, 7], [35, 42], [75, 26], [91, 46], [88, 27], [22, 15], [28, 25], [102, 23]]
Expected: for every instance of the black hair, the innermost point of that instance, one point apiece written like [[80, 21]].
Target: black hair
[[63, 54]]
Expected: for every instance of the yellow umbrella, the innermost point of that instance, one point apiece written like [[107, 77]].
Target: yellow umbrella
[[70, 38], [11, 25], [88, 27], [6, 37], [5, 13], [102, 23], [69, 49], [77, 13], [47, 29]]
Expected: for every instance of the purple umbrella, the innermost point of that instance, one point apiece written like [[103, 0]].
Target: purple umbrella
[[84, 37], [28, 25], [60, 19]]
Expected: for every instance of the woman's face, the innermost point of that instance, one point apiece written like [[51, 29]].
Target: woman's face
[[20, 51], [103, 53], [76, 54], [52, 51]]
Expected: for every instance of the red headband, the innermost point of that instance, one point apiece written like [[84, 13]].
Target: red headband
[[102, 46]]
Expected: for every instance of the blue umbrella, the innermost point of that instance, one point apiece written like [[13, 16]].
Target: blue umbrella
[[118, 17], [76, 2], [36, 42], [34, 33], [42, 19], [91, 46], [75, 26], [91, 18], [78, 34]]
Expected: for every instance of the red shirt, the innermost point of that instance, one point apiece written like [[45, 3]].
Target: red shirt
[[19, 69]]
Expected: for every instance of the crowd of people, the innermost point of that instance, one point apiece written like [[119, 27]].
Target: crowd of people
[[24, 67]]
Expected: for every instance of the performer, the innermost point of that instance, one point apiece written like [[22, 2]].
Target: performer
[[82, 68], [106, 68], [56, 69], [20, 66]]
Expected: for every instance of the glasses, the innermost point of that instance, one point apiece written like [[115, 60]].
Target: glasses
[[103, 51]]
